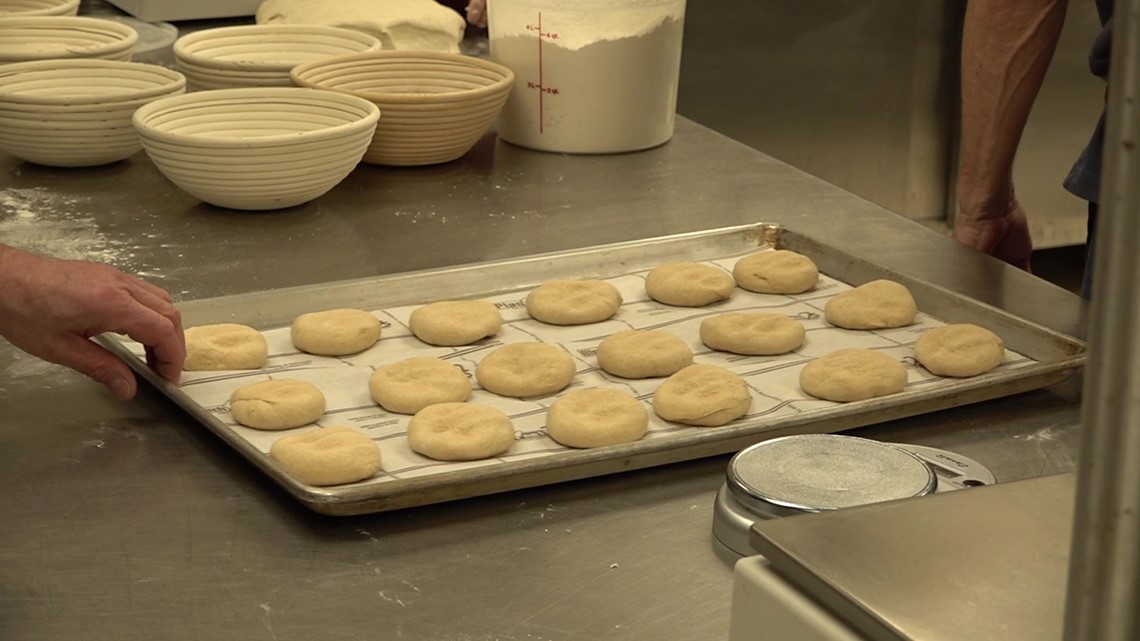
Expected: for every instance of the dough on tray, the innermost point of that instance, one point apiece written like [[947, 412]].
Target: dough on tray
[[705, 395], [959, 350], [416, 25], [688, 284], [460, 432], [573, 302], [643, 354], [522, 370], [225, 346], [451, 323], [277, 405], [412, 384], [776, 271], [327, 456], [853, 374], [752, 333], [596, 417], [879, 304], [336, 332]]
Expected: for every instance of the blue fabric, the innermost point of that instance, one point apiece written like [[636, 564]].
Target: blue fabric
[[1083, 180]]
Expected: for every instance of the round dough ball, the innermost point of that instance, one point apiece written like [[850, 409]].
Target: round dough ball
[[277, 405], [879, 304], [336, 332], [573, 302], [776, 272], [752, 334], [853, 374], [688, 284], [522, 370], [959, 350], [450, 323], [327, 456], [643, 354], [596, 417], [410, 385], [226, 346], [705, 395], [460, 432]]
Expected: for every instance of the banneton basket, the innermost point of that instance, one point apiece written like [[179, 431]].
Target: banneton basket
[[261, 55], [257, 148], [54, 37], [39, 7], [77, 112], [435, 105]]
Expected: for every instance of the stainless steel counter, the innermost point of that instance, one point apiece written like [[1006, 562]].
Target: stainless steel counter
[[129, 521]]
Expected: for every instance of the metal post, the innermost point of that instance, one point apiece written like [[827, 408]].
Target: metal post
[[1104, 573]]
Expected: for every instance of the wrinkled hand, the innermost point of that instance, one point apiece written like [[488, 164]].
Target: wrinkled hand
[[50, 308], [477, 12], [1001, 231]]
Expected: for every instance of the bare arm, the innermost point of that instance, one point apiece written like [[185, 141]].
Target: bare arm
[[50, 308], [1006, 49]]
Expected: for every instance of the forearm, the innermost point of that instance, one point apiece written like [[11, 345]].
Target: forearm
[[1006, 49]]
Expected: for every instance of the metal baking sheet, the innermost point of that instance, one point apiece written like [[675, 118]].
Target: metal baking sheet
[[1036, 357]]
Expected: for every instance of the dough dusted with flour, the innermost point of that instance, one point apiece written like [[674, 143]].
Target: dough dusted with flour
[[879, 304], [752, 333], [960, 350], [412, 384], [277, 405], [225, 346], [414, 25], [688, 284], [336, 332], [853, 374], [327, 456], [704, 395], [573, 302], [643, 354], [776, 272], [596, 417], [451, 323], [460, 432], [522, 370]]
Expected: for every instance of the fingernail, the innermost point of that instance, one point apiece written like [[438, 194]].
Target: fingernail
[[121, 388]]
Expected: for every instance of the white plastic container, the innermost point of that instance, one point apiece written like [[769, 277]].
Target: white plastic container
[[591, 76]]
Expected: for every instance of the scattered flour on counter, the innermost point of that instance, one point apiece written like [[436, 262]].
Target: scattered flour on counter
[[45, 222]]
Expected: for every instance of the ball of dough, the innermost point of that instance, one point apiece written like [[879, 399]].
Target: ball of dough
[[596, 417], [573, 302], [853, 375], [643, 354], [336, 332], [705, 395], [959, 350], [410, 385], [327, 456], [688, 284], [450, 323], [460, 432], [752, 334], [277, 405], [521, 370], [776, 272], [226, 346], [879, 304]]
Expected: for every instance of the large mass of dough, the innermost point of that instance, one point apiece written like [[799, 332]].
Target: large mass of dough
[[336, 332], [879, 304], [688, 284], [705, 395], [776, 271], [643, 354], [596, 417], [522, 370], [412, 384], [327, 456], [460, 432], [853, 374], [752, 333], [961, 350], [225, 346], [414, 25], [277, 405], [573, 302], [455, 322]]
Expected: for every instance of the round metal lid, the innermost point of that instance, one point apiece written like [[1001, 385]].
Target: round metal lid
[[818, 472]]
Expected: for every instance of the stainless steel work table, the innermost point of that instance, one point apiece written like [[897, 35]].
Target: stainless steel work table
[[131, 521]]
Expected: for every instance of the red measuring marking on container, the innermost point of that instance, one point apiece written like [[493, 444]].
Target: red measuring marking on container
[[540, 86]]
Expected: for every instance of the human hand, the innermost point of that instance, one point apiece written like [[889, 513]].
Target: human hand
[[1000, 230], [477, 12], [50, 308]]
